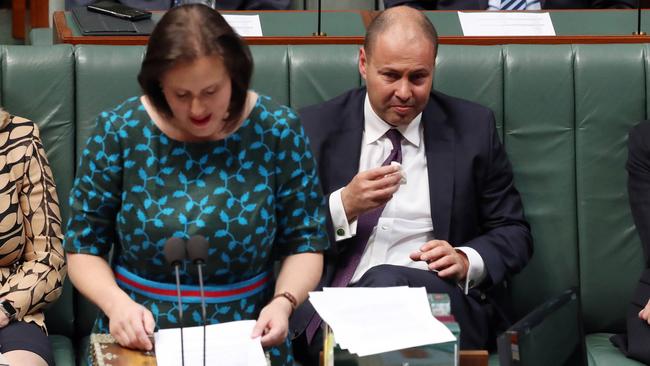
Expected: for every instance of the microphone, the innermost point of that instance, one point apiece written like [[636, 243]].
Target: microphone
[[197, 248], [175, 253]]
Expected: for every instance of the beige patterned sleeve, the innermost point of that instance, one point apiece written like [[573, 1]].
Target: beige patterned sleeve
[[38, 277]]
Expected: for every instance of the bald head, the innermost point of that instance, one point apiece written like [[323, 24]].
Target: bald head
[[403, 23]]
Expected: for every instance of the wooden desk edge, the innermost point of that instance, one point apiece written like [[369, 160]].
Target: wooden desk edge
[[573, 39], [60, 28], [63, 34]]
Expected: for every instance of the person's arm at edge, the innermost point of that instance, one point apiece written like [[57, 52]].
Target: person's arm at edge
[[45, 259], [299, 274], [93, 277]]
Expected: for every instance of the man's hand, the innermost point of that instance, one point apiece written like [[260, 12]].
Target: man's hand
[[370, 189], [645, 313], [273, 323], [131, 324], [443, 258]]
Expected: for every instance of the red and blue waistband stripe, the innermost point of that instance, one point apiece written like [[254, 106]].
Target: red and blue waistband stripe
[[190, 293]]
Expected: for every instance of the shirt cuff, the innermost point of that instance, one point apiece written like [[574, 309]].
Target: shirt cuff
[[343, 229], [475, 272]]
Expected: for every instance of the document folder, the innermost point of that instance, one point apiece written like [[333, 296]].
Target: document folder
[[95, 24], [549, 335]]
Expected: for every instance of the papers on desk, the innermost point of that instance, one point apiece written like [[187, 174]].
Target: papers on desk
[[245, 25], [226, 344], [496, 23], [368, 321]]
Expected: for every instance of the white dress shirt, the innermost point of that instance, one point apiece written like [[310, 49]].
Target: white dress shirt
[[405, 223]]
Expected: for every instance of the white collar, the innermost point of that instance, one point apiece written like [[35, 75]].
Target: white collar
[[375, 127]]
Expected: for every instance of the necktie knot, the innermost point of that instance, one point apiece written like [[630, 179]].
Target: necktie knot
[[395, 138]]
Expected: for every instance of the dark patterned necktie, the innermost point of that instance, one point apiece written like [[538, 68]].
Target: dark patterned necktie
[[367, 222]]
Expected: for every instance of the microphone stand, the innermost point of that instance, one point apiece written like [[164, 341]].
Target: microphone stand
[[638, 20], [175, 252], [197, 247], [320, 13], [180, 311], [199, 264]]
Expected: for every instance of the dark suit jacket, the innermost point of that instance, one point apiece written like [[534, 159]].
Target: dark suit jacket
[[635, 343], [473, 200], [483, 4]]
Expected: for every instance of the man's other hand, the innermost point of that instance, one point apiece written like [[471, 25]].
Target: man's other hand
[[440, 256], [370, 189]]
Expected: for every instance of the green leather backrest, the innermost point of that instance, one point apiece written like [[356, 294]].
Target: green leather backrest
[[37, 83], [320, 73], [472, 73], [610, 83], [105, 77], [539, 138], [271, 72]]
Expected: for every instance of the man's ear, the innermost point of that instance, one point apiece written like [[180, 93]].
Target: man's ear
[[363, 62]]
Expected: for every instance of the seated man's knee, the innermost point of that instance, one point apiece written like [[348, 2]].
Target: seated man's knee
[[383, 275]]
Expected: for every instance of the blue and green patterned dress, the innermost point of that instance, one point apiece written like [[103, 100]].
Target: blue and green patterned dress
[[254, 195]]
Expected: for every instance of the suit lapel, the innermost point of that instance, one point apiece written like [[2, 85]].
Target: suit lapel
[[342, 149], [439, 149]]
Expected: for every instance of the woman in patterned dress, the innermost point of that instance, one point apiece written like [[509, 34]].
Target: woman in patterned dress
[[32, 265], [197, 154]]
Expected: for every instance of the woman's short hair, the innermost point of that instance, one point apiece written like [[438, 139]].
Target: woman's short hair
[[186, 33]]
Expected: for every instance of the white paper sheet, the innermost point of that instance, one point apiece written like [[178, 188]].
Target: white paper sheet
[[368, 321], [226, 344], [245, 25], [494, 23]]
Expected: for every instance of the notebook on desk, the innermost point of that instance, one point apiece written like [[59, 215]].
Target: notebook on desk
[[95, 24]]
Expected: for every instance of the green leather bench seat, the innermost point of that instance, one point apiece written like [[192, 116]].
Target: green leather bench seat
[[64, 350], [563, 112], [601, 353]]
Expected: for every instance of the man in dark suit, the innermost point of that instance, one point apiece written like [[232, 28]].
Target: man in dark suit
[[485, 4], [446, 216], [635, 342]]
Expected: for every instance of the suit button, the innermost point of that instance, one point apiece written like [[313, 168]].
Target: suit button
[[483, 296], [340, 232]]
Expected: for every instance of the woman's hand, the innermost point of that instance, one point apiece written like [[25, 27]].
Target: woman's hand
[[645, 312], [273, 322], [131, 324], [4, 320]]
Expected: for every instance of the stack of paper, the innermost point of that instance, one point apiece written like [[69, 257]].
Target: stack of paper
[[506, 23], [367, 321], [226, 344]]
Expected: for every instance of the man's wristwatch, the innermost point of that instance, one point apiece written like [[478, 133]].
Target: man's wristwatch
[[8, 310]]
